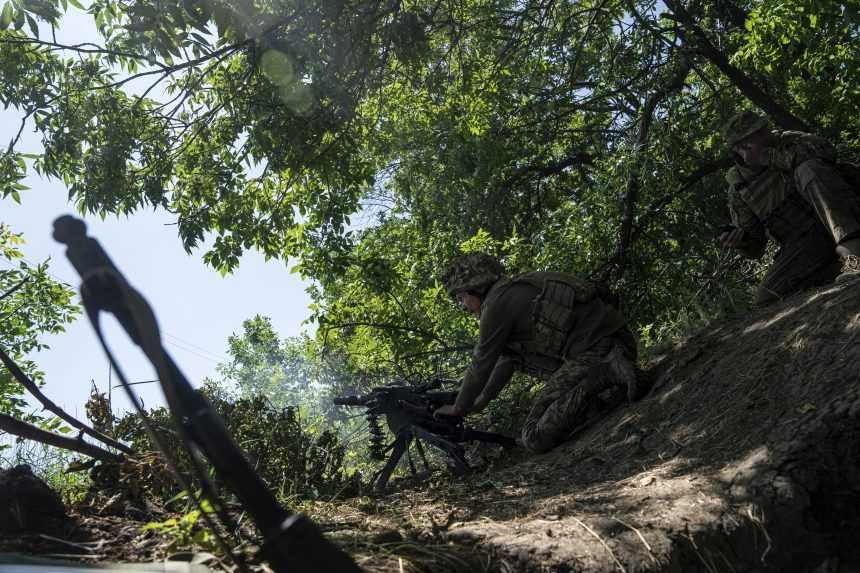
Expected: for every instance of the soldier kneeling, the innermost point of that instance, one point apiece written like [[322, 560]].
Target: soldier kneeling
[[550, 325], [785, 186]]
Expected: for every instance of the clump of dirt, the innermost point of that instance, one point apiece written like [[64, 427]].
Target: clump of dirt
[[27, 503]]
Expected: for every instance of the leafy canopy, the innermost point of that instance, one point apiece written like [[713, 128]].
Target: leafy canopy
[[373, 140], [32, 304]]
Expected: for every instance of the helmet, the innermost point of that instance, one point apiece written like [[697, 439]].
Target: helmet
[[742, 125], [472, 271]]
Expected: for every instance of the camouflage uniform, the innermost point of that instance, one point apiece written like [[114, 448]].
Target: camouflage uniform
[[797, 198], [555, 327]]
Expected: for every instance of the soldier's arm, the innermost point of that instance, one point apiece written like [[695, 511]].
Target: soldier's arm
[[499, 378], [795, 148], [754, 241], [496, 325]]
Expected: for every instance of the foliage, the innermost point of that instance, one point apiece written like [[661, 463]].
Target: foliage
[[32, 304], [371, 141], [294, 460], [292, 372], [184, 531], [264, 365]]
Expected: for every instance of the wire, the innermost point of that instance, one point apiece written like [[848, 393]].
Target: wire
[[195, 346], [195, 353], [188, 347]]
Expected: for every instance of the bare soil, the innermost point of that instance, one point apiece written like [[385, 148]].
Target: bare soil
[[745, 457]]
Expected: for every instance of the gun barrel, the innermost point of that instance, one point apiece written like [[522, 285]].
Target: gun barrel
[[350, 400]]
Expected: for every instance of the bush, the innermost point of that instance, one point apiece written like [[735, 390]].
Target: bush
[[293, 459]]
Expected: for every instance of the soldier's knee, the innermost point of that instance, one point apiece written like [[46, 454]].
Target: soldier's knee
[[810, 170]]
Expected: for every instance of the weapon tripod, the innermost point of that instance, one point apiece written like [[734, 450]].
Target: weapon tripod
[[408, 412]]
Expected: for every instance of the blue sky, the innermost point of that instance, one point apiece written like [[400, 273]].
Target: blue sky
[[197, 309]]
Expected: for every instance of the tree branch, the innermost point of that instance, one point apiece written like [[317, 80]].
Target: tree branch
[[674, 83], [31, 432], [12, 290], [603, 271], [384, 326], [80, 48], [548, 169], [688, 27], [59, 412]]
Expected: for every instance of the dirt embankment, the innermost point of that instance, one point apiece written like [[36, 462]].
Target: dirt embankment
[[744, 457]]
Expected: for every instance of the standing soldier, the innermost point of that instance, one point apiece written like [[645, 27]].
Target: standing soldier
[[550, 325], [785, 186]]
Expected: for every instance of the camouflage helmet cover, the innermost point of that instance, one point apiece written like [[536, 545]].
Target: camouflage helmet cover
[[472, 271], [742, 125]]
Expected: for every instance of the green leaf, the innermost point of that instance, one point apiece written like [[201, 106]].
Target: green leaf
[[34, 26], [7, 16], [20, 19]]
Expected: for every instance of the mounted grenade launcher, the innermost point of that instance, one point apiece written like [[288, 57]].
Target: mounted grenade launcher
[[408, 412]]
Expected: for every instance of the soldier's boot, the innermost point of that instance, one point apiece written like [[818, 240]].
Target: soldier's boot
[[850, 268], [622, 372]]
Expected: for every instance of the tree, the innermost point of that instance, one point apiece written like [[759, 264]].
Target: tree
[[263, 364], [32, 304], [567, 135]]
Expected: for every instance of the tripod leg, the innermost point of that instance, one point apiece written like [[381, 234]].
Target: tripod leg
[[409, 459], [400, 445], [456, 459], [421, 453]]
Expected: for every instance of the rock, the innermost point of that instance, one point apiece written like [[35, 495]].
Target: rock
[[27, 504], [387, 536]]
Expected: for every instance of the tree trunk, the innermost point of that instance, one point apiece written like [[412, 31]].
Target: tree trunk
[[33, 389], [673, 83]]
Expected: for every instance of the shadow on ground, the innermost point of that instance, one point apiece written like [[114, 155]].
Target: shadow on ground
[[744, 457]]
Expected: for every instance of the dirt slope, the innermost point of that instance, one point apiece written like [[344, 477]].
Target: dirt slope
[[744, 457]]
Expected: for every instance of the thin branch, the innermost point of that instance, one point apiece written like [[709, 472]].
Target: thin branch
[[31, 387], [31, 432], [674, 83], [168, 70], [747, 86], [80, 48], [12, 290], [388, 326], [548, 169]]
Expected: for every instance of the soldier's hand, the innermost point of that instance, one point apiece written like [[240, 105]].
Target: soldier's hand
[[450, 410], [732, 239]]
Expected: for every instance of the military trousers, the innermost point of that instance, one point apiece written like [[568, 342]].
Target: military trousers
[[835, 203], [805, 262], [561, 404], [810, 260]]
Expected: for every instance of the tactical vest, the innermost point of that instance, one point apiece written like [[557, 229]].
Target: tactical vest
[[772, 196], [553, 316]]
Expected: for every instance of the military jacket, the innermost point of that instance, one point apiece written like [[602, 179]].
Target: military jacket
[[532, 322], [764, 202]]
